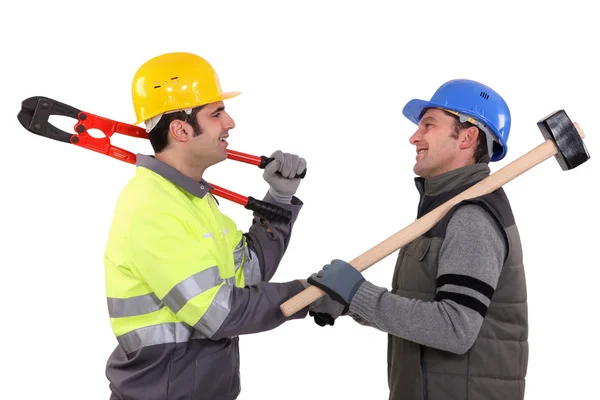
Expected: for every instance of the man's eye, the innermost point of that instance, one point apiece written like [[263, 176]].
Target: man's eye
[[217, 115]]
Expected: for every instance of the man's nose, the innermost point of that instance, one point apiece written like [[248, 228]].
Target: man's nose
[[229, 123], [415, 137]]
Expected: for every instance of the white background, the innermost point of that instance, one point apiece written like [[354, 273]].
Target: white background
[[323, 79]]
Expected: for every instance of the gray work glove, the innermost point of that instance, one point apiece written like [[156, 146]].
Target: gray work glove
[[325, 310], [339, 280], [280, 174]]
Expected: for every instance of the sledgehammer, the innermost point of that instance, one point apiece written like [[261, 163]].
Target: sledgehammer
[[564, 140]]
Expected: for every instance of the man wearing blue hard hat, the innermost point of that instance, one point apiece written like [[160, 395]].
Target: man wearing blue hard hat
[[456, 316]]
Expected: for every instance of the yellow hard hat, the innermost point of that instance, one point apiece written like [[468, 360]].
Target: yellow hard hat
[[174, 81]]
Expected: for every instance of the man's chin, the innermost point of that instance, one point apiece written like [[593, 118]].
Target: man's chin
[[220, 159], [418, 171]]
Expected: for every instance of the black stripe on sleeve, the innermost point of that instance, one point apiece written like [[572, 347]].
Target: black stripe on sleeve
[[466, 281], [464, 300]]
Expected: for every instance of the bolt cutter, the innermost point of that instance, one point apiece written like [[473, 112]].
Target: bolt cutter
[[34, 115]]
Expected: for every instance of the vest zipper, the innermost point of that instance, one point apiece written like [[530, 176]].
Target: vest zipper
[[423, 374]]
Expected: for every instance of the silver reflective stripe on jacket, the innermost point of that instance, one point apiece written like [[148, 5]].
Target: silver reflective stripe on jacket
[[242, 254], [176, 332]]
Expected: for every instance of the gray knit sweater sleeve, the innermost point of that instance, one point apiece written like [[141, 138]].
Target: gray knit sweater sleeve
[[470, 262]]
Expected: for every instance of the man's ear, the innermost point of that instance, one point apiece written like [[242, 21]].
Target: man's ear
[[469, 137], [179, 130]]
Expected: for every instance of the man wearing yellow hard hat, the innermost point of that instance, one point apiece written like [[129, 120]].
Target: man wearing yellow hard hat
[[182, 281]]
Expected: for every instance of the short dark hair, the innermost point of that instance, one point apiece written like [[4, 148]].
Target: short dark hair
[[159, 135], [481, 148]]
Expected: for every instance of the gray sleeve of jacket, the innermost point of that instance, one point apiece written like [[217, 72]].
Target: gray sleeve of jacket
[[254, 309], [267, 243], [470, 262], [358, 319]]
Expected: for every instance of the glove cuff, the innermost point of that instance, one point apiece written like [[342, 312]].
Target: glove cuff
[[281, 198]]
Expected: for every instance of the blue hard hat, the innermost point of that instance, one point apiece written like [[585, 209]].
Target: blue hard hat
[[473, 99]]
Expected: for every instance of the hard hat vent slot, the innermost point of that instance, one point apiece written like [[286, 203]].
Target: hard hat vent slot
[[484, 95]]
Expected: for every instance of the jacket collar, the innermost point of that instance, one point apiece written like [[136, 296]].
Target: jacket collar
[[462, 176], [198, 189], [435, 191]]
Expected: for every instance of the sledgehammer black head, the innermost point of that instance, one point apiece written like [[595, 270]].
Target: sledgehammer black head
[[571, 149]]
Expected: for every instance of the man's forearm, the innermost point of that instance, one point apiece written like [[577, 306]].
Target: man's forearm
[[360, 320], [443, 325], [256, 309]]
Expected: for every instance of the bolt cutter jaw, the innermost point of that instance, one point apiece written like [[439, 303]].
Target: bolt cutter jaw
[[35, 112]]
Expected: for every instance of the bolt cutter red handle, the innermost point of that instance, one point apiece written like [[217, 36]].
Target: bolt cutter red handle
[[261, 161], [34, 115]]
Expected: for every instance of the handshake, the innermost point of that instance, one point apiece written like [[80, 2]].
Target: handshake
[[340, 281]]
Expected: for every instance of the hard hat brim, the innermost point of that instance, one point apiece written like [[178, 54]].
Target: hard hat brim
[[229, 95], [413, 110]]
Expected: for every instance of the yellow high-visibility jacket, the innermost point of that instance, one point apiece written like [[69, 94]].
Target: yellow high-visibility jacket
[[182, 282]]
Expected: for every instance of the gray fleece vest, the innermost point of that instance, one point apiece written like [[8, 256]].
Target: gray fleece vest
[[496, 365]]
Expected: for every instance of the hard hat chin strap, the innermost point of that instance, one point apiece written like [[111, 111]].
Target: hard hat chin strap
[[152, 122]]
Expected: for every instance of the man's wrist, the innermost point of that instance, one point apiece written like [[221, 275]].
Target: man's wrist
[[281, 198]]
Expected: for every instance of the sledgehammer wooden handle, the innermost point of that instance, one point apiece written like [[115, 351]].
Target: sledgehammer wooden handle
[[426, 222]]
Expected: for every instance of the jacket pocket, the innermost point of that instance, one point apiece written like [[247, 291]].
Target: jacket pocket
[[418, 248], [415, 277], [217, 376]]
